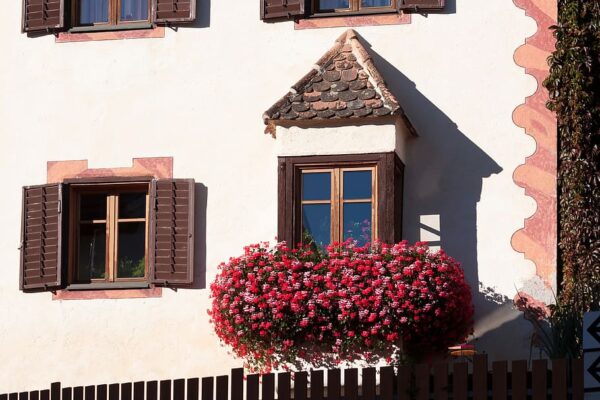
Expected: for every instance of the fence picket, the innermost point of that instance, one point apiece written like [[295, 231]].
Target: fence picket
[[251, 387], [14, 396], [178, 389], [460, 380], [113, 392], [54, 391], [24, 396], [35, 395], [519, 380], [138, 391], [78, 393], [386, 385], [284, 385], [577, 379], [222, 387], [369, 383], [539, 371], [67, 393], [404, 382], [90, 393], [126, 391], [268, 387], [101, 392], [316, 385], [237, 384], [193, 389], [300, 385], [351, 384], [422, 381], [165, 390], [480, 375], [440, 381], [334, 384], [45, 394], [499, 380], [151, 390], [559, 379], [208, 390]]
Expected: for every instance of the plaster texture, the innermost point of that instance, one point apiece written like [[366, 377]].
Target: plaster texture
[[198, 95]]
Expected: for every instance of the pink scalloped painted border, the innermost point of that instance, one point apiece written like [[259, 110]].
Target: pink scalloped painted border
[[537, 240]]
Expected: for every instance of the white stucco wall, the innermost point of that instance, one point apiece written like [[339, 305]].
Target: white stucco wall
[[198, 95]]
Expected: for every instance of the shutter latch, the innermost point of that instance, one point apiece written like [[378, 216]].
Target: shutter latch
[[59, 206]]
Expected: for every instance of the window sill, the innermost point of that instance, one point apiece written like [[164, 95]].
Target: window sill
[[94, 33], [108, 286], [104, 28], [336, 21], [98, 293]]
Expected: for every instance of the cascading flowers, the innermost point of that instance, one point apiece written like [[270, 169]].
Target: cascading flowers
[[280, 307]]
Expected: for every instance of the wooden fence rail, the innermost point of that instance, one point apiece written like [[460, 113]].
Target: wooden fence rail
[[442, 381]]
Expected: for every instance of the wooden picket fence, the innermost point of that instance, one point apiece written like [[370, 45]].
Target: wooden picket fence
[[441, 381]]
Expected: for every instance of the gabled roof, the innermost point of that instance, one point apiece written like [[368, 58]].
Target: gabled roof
[[343, 84]]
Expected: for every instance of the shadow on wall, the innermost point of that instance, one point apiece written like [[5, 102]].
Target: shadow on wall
[[443, 179], [201, 196]]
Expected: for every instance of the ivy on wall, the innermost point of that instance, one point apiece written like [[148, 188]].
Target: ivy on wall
[[574, 86]]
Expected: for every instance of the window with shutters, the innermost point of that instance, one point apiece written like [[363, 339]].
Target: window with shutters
[[103, 234], [98, 15], [324, 199], [273, 10]]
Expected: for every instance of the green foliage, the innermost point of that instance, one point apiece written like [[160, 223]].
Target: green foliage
[[574, 86]]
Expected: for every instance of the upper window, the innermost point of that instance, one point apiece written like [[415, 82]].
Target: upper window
[[341, 6], [109, 236], [338, 204], [103, 234], [283, 9], [325, 199], [110, 12], [49, 15]]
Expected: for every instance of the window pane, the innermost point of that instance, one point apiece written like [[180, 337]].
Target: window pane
[[376, 3], [134, 10], [92, 252], [357, 222], [131, 248], [93, 11], [357, 185], [132, 205], [316, 224], [316, 186], [332, 4], [92, 206]]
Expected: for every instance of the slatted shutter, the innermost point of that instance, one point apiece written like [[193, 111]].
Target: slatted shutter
[[421, 5], [276, 9], [40, 15], [172, 232], [41, 237], [173, 11]]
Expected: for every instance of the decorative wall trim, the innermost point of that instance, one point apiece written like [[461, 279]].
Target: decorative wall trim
[[353, 21], [537, 240], [67, 37], [58, 171]]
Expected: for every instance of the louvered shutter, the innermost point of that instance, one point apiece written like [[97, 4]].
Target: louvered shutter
[[276, 9], [173, 11], [40, 15], [421, 5], [41, 237], [172, 232]]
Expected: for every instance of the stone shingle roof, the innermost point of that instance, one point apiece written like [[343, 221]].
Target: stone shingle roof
[[343, 84]]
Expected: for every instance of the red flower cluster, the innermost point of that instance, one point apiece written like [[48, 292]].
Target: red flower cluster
[[280, 307]]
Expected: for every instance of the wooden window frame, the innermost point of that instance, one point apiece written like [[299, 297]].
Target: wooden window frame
[[113, 189], [337, 200], [354, 9], [114, 15], [388, 192]]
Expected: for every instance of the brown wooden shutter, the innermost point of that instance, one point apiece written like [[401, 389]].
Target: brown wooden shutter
[[40, 15], [421, 5], [41, 237], [173, 11], [276, 9], [172, 232]]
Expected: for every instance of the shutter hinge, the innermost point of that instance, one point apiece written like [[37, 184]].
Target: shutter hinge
[[20, 246]]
